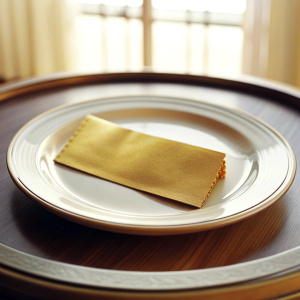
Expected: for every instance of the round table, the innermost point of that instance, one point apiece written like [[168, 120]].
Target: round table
[[45, 256]]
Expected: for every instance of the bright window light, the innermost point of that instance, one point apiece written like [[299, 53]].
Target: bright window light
[[221, 6], [132, 3]]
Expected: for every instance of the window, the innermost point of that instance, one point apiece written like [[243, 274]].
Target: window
[[191, 36]]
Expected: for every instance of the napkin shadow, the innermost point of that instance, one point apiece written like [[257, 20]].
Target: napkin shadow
[[180, 206], [47, 235]]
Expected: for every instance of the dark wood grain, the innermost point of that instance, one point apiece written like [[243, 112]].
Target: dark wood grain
[[28, 227]]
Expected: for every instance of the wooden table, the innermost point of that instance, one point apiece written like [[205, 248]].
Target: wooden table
[[30, 229]]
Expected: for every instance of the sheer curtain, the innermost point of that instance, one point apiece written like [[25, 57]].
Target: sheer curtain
[[35, 37], [272, 40]]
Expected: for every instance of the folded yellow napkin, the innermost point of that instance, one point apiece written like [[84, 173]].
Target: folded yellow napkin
[[155, 165]]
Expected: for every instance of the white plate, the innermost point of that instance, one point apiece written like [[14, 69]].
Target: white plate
[[260, 165]]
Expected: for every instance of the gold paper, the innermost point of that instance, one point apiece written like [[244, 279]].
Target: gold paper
[[155, 165]]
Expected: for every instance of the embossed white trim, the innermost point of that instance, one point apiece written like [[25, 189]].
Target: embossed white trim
[[149, 281]]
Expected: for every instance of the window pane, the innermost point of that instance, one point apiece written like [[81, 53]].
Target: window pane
[[225, 50], [170, 4], [108, 44], [135, 37], [169, 46], [196, 63], [224, 6], [133, 3], [212, 50], [88, 43]]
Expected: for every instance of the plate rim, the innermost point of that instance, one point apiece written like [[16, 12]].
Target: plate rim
[[141, 229]]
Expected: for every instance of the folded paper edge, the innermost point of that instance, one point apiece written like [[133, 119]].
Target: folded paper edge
[[220, 175]]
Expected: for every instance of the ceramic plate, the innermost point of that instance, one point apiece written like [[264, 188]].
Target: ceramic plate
[[260, 165]]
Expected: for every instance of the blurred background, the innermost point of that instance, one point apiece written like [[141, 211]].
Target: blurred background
[[220, 38]]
